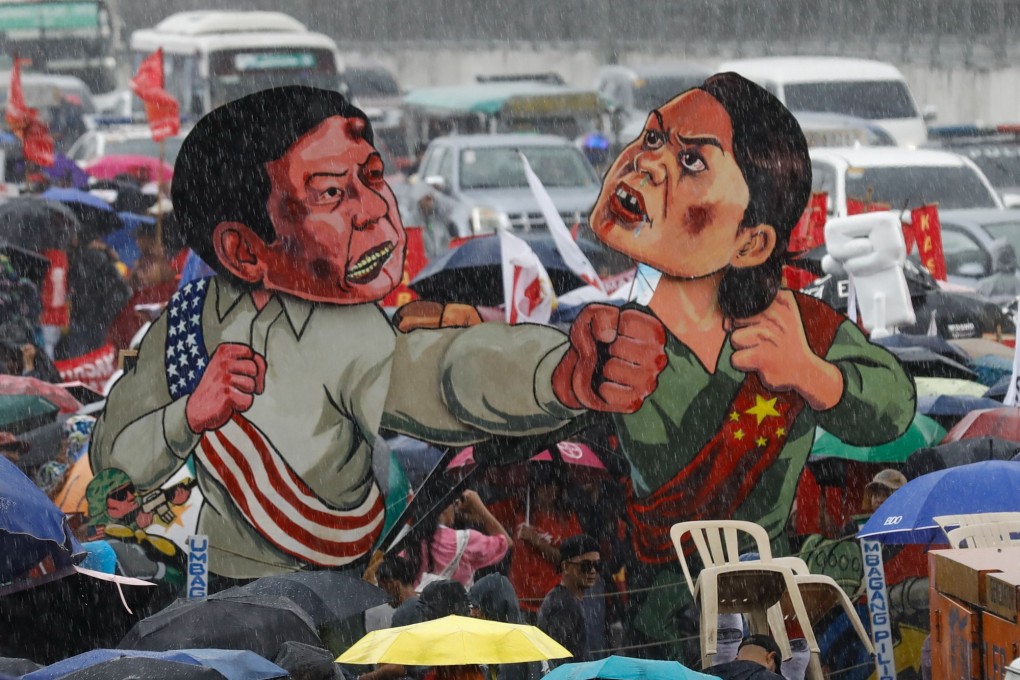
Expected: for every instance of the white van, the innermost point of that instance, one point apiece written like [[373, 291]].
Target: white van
[[873, 90]]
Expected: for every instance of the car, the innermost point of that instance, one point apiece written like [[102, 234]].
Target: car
[[995, 150], [853, 87], [634, 91], [901, 178], [969, 241], [125, 140]]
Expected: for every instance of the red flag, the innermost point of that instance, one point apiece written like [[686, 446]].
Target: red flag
[[908, 237], [25, 123], [414, 261], [928, 232], [809, 232], [857, 207], [161, 109]]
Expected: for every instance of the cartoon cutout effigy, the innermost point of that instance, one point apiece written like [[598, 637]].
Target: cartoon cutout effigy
[[276, 373], [708, 196]]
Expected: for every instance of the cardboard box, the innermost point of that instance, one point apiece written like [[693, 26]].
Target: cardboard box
[[961, 573], [955, 639], [1002, 594], [1000, 644]]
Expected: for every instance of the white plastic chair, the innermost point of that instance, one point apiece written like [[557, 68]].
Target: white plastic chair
[[727, 585], [988, 535], [948, 522]]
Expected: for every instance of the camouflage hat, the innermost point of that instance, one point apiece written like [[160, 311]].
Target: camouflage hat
[[100, 487]]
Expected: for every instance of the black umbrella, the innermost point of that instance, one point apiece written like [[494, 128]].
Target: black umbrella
[[96, 216], [920, 362], [27, 263], [962, 452], [126, 196], [327, 597], [234, 621], [935, 343], [17, 666], [137, 668], [37, 224], [308, 662], [472, 272]]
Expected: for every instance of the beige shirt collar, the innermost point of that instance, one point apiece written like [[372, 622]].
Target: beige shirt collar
[[297, 311]]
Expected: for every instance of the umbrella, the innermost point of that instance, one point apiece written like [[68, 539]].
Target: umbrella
[[999, 390], [934, 343], [17, 667], [327, 597], [471, 273], [136, 668], [953, 406], [307, 662], [976, 347], [37, 224], [123, 240], [23, 412], [923, 431], [33, 531], [962, 452], [923, 362], [259, 624], [27, 263], [123, 196], [416, 458], [990, 368], [452, 641], [1002, 422], [569, 452], [227, 663], [55, 394], [625, 668], [66, 172], [907, 516], [95, 215], [935, 387], [143, 168]]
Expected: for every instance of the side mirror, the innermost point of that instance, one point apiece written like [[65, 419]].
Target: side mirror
[[438, 182], [1011, 200], [974, 270], [931, 113]]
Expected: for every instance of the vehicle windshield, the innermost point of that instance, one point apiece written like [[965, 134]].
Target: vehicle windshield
[[911, 187], [499, 167], [141, 146], [237, 73], [650, 93], [871, 99], [371, 83], [1005, 230], [1000, 163]]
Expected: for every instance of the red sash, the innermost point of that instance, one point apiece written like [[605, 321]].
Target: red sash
[[733, 462]]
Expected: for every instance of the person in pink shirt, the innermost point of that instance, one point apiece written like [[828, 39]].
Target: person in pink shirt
[[449, 553]]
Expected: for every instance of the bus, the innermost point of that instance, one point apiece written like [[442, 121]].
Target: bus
[[76, 38], [213, 57]]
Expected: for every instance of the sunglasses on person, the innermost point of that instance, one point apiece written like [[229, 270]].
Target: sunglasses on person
[[587, 566], [122, 494]]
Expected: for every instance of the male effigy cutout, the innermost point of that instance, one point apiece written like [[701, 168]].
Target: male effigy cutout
[[708, 196], [277, 372]]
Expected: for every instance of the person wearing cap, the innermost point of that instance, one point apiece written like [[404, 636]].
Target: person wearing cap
[[561, 615], [880, 488], [758, 658]]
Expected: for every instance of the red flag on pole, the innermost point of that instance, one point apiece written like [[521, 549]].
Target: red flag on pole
[[809, 232], [161, 109], [25, 123], [928, 232]]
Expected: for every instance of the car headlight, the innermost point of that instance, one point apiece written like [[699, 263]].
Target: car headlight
[[488, 220]]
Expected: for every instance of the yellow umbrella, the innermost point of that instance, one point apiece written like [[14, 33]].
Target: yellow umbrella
[[453, 641], [937, 387]]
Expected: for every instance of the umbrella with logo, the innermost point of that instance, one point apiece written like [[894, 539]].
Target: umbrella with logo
[[453, 641], [471, 272], [908, 515], [1002, 422], [625, 668], [923, 431]]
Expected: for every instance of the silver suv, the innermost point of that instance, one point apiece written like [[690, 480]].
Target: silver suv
[[475, 184]]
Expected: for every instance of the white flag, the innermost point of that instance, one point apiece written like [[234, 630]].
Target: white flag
[[571, 253], [1013, 394], [527, 290]]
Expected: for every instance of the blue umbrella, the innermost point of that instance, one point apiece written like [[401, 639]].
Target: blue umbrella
[[123, 240], [231, 664], [908, 515], [33, 533], [935, 343], [999, 389], [625, 668], [97, 217], [66, 171], [953, 406], [990, 368], [416, 458]]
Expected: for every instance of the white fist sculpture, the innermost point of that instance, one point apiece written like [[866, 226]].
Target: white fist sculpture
[[870, 248]]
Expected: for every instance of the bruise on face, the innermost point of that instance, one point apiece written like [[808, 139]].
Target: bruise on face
[[698, 217]]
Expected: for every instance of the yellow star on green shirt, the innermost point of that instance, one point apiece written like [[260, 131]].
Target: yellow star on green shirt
[[763, 408]]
